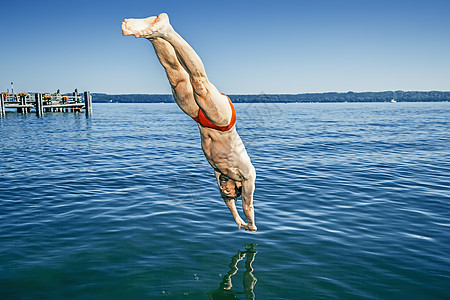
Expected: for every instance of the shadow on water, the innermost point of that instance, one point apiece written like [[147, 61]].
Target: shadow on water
[[249, 280]]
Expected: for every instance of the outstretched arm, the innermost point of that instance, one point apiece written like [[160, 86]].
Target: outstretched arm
[[230, 202], [248, 187]]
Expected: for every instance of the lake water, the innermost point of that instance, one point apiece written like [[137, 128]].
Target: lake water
[[352, 202]]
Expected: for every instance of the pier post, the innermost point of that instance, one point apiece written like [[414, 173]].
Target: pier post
[[75, 96], [23, 102], [88, 103], [2, 105], [39, 105]]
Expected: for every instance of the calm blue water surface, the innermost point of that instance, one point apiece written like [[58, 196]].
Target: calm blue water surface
[[352, 202]]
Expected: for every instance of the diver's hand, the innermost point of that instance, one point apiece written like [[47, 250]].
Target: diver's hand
[[250, 227], [240, 222]]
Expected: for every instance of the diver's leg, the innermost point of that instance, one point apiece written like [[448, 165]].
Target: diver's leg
[[178, 77], [213, 104]]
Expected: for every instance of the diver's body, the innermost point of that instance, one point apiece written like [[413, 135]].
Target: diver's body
[[213, 112]]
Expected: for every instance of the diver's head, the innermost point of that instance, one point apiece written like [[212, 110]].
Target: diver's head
[[229, 188]]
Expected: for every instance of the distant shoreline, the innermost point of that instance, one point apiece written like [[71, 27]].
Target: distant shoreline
[[388, 96]]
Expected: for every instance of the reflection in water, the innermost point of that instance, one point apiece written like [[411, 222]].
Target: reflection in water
[[249, 280]]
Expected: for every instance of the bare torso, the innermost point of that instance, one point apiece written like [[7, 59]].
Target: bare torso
[[226, 153]]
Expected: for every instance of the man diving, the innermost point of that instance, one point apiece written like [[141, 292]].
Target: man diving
[[213, 112]]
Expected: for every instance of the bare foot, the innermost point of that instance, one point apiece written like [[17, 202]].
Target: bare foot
[[150, 27]]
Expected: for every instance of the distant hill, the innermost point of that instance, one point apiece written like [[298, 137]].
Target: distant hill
[[399, 96]]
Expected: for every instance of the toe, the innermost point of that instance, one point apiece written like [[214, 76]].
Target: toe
[[126, 31]]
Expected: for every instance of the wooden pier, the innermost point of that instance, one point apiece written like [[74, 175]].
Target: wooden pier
[[45, 102]]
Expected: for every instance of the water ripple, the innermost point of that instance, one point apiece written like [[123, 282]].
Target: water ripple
[[351, 202]]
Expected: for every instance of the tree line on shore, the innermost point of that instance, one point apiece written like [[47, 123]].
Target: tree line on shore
[[388, 96]]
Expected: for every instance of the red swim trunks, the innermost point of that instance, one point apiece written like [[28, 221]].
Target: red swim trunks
[[205, 122]]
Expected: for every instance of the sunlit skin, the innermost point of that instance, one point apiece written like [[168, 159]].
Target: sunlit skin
[[192, 90]]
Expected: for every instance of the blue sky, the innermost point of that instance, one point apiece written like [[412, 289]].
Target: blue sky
[[248, 47]]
